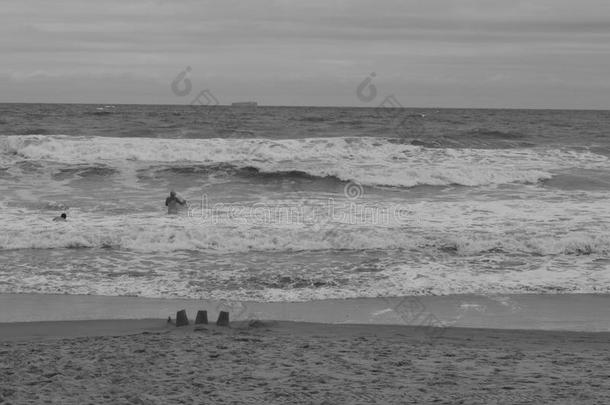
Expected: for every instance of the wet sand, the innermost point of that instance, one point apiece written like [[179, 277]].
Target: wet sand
[[575, 312], [262, 362]]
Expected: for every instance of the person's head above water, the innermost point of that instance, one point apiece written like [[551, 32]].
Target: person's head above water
[[172, 193], [61, 218]]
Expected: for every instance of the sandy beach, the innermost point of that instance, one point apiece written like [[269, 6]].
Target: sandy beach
[[265, 362]]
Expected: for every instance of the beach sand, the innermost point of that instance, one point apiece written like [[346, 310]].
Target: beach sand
[[265, 362]]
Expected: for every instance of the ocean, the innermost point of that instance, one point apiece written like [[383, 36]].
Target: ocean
[[303, 203]]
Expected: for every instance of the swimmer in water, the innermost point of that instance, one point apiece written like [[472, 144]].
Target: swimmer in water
[[61, 218], [172, 202]]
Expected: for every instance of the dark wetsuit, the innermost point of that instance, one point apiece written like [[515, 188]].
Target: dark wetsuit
[[172, 204]]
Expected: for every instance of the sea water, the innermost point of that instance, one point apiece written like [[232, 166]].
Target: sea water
[[295, 204]]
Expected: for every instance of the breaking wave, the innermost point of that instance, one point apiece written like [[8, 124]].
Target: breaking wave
[[147, 233], [369, 161]]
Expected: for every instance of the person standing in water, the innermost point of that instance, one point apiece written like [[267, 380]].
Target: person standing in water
[[173, 201]]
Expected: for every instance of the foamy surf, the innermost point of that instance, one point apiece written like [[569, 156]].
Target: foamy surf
[[368, 161], [269, 276], [531, 227], [482, 202]]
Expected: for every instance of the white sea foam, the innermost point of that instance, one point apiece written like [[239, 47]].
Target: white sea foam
[[491, 240], [473, 228], [163, 275], [370, 161]]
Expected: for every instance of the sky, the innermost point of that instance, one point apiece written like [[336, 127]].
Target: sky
[[426, 53]]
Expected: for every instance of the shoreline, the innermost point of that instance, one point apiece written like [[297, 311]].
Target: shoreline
[[566, 312], [105, 328]]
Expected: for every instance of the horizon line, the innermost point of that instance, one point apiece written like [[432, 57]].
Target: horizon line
[[311, 106]]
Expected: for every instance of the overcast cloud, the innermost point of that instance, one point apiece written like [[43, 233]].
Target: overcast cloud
[[445, 53]]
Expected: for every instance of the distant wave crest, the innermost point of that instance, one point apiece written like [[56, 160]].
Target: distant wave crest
[[368, 161]]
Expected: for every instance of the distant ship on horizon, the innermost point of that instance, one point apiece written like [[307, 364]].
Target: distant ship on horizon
[[245, 104]]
